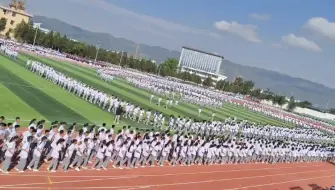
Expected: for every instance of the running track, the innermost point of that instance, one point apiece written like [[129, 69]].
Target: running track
[[294, 176]]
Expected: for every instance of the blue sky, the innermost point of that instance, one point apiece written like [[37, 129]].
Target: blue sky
[[294, 37]]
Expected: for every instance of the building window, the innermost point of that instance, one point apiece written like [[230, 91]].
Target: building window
[[12, 22], [13, 14]]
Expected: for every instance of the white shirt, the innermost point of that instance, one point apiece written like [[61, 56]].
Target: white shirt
[[25, 149], [39, 149], [55, 151], [10, 149]]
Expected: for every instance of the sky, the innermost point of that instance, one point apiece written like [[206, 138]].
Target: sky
[[294, 37]]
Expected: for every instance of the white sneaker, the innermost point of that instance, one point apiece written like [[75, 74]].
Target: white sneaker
[[29, 168], [77, 169], [53, 171], [21, 171], [17, 169], [114, 166], [35, 170]]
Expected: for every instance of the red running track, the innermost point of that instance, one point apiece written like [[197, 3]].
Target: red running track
[[231, 177]]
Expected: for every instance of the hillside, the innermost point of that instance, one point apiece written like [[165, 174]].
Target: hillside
[[280, 83]]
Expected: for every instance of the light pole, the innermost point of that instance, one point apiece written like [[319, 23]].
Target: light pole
[[327, 104], [96, 55], [121, 58], [35, 35]]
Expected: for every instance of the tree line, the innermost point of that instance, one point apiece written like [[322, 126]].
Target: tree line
[[25, 32]]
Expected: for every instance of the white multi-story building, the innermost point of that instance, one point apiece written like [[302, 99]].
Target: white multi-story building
[[201, 63]]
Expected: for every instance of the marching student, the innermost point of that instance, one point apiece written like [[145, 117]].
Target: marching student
[[68, 155], [165, 153], [37, 154], [129, 154], [100, 156], [56, 149], [137, 154], [10, 151], [24, 154], [108, 153], [121, 155]]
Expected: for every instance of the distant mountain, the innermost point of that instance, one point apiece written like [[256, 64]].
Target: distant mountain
[[107, 41], [280, 83]]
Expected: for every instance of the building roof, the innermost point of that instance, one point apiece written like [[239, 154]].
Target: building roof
[[16, 11], [203, 52]]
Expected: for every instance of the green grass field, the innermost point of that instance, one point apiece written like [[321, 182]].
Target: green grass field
[[27, 95], [30, 96]]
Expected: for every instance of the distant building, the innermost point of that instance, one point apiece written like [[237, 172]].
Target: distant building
[[201, 63], [14, 16]]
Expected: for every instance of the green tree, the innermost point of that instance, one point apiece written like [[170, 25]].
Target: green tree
[[291, 104], [332, 110], [304, 104], [169, 67], [279, 100], [3, 22], [208, 82]]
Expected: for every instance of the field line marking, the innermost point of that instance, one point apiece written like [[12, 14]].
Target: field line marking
[[170, 174], [72, 181], [50, 182], [159, 185], [278, 183]]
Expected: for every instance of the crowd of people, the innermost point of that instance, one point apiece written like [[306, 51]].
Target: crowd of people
[[8, 51], [157, 119], [63, 147], [172, 141], [207, 97], [191, 93], [163, 86]]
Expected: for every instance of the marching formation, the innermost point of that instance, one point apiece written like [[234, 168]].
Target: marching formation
[[62, 147], [8, 51], [107, 102], [182, 124], [176, 90], [169, 88]]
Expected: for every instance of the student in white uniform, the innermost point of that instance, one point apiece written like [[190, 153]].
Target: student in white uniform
[[11, 147], [100, 156], [165, 153], [24, 154], [154, 153], [68, 155], [37, 154], [56, 149], [108, 153], [121, 155], [137, 155], [129, 154]]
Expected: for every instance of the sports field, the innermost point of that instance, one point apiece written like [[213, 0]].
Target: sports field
[[29, 96]]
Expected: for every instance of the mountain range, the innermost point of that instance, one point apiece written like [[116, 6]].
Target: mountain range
[[283, 84]]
